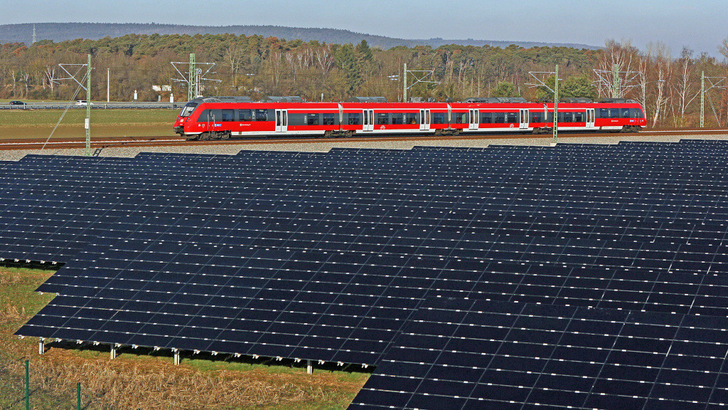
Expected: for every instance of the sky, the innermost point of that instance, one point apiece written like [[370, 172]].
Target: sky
[[700, 25]]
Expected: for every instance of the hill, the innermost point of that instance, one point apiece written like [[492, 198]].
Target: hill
[[23, 33]]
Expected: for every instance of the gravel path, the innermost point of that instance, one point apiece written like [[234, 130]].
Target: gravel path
[[312, 146]]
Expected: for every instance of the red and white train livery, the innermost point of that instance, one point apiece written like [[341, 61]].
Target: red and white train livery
[[224, 118]]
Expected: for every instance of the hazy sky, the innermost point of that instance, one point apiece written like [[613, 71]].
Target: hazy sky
[[700, 25]]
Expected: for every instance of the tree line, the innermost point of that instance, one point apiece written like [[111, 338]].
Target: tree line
[[257, 66]]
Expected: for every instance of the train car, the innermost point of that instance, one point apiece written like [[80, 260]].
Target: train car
[[212, 119], [394, 118], [226, 117], [610, 115]]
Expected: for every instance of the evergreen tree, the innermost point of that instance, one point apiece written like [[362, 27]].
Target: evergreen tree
[[347, 61], [504, 89]]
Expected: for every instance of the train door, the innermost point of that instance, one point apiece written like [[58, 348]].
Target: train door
[[207, 120], [590, 117], [368, 120], [281, 120], [524, 119], [425, 119], [474, 119]]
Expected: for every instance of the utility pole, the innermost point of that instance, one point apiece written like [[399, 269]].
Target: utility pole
[[192, 89], [194, 76], [404, 82], [540, 77], [88, 107], [713, 82], [702, 99], [421, 76], [621, 82], [87, 87], [555, 138]]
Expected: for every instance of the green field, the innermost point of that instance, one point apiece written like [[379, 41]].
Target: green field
[[139, 379], [20, 124]]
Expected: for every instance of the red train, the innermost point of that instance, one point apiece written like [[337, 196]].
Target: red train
[[231, 117]]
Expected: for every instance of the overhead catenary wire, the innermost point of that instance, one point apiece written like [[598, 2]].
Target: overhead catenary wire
[[75, 94]]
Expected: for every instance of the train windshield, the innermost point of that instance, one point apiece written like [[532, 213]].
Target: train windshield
[[188, 109]]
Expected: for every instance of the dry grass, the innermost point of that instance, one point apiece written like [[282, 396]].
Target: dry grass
[[121, 384], [148, 382], [39, 124]]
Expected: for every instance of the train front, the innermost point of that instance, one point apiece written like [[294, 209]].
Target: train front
[[187, 110]]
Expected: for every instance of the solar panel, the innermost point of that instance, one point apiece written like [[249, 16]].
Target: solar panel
[[458, 353], [326, 256]]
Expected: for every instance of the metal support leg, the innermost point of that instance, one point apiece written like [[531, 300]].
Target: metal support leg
[[309, 367], [177, 358], [41, 346], [112, 355]]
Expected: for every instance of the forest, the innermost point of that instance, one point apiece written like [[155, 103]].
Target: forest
[[256, 66]]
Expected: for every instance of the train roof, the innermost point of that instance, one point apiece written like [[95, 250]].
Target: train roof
[[367, 99], [282, 98], [496, 100], [383, 100], [220, 99]]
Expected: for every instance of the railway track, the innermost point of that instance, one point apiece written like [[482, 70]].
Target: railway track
[[37, 144]]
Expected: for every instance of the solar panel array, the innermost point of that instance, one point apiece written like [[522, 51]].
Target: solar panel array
[[475, 354], [328, 256]]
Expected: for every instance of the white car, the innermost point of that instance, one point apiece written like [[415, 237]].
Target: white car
[[83, 102]]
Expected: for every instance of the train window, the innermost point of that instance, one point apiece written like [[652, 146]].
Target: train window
[[328, 119], [204, 115], [188, 109], [353, 118], [459, 118], [228, 115], [602, 113], [245, 115], [536, 116], [486, 117], [579, 117], [624, 113], [500, 118], [397, 118], [412, 118], [312, 119], [262, 115], [209, 116], [382, 118], [439, 118], [636, 113], [614, 113], [512, 118], [297, 119], [566, 116]]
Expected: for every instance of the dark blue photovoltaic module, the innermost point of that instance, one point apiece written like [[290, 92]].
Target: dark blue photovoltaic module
[[331, 256]]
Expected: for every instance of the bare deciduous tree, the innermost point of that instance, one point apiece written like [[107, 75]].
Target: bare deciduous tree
[[617, 57], [50, 75], [682, 85], [663, 69]]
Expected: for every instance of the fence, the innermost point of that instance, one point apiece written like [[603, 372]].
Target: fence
[[94, 106], [25, 386]]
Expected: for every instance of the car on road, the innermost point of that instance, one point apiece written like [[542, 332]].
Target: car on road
[[83, 102], [16, 102]]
